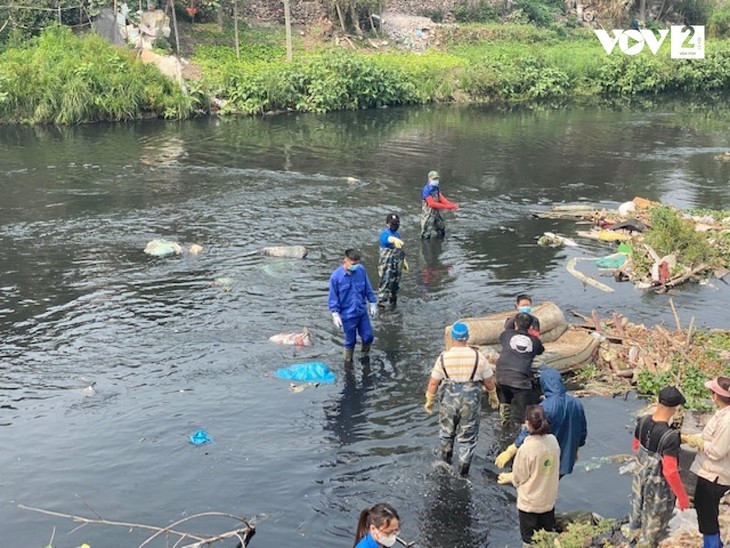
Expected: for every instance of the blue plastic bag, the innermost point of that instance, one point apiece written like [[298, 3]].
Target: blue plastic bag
[[200, 437], [307, 372]]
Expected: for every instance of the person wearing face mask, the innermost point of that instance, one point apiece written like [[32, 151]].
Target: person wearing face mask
[[433, 201], [349, 291], [656, 483], [535, 475], [377, 526], [391, 262], [712, 463], [523, 303]]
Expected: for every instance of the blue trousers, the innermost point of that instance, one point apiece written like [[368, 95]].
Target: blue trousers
[[357, 325]]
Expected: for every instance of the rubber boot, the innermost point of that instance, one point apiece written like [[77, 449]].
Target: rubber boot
[[365, 353], [347, 354], [393, 300], [464, 468], [711, 541], [446, 455], [505, 413]]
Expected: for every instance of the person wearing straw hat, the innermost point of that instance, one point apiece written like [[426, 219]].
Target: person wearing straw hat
[[656, 483], [433, 201], [465, 373], [712, 463]]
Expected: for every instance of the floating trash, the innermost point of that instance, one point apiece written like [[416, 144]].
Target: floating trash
[[299, 339], [307, 372], [163, 248], [200, 437]]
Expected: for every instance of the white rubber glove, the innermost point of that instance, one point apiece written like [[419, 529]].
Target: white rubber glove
[[373, 309], [337, 320], [397, 242]]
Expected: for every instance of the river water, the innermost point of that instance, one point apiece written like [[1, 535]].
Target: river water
[[110, 359]]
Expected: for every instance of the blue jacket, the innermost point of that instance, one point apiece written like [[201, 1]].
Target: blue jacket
[[367, 542], [385, 234], [430, 190], [566, 417], [348, 291]]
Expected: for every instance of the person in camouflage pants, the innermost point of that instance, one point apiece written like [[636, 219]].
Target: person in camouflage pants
[[464, 373], [392, 261], [433, 201], [657, 484]]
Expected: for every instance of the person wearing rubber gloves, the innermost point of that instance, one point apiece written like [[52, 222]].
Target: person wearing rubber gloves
[[465, 373], [712, 463], [567, 421], [535, 475], [656, 483], [433, 202], [392, 261], [349, 290]]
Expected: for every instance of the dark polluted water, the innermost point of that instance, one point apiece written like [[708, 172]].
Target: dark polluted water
[[110, 359]]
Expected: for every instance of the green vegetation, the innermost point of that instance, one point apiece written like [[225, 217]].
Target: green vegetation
[[576, 535], [539, 63], [64, 79]]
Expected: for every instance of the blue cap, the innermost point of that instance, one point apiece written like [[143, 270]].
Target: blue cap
[[460, 332]]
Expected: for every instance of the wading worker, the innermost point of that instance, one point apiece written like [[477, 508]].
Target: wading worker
[[433, 201], [535, 475], [514, 367], [464, 372], [567, 421], [391, 262], [656, 482], [349, 292], [523, 303], [712, 463]]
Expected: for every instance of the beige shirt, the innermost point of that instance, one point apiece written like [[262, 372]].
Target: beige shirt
[[535, 473], [459, 363], [714, 461]]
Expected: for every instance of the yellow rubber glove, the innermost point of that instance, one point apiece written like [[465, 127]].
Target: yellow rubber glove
[[505, 456], [505, 478], [397, 242], [693, 440], [430, 401], [406, 268], [493, 399]]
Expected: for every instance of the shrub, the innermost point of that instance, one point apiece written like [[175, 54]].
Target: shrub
[[718, 24]]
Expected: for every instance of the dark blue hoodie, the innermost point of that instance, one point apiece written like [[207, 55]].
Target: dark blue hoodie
[[566, 417]]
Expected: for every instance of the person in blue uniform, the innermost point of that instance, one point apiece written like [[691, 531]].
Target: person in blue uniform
[[377, 526], [349, 292], [391, 262], [432, 202]]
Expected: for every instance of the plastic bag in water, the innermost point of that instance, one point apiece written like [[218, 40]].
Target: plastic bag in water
[[200, 437], [307, 372]]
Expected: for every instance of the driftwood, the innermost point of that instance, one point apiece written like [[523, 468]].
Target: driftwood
[[583, 278], [242, 534]]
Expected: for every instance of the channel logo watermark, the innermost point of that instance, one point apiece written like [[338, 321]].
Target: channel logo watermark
[[687, 42]]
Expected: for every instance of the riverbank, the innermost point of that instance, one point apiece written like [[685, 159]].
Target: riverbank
[[80, 79]]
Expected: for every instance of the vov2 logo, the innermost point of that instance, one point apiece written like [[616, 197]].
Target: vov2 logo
[[687, 42]]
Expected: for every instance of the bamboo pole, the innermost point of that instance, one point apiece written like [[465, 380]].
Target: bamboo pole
[[287, 26], [235, 28], [174, 26]]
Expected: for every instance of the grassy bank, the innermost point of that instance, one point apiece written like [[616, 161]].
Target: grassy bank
[[73, 79]]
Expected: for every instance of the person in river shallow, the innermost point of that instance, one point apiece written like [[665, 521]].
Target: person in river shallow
[[392, 261], [535, 475], [523, 303], [465, 373], [349, 290], [514, 367], [433, 201], [567, 421], [656, 483], [712, 463], [377, 526]]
